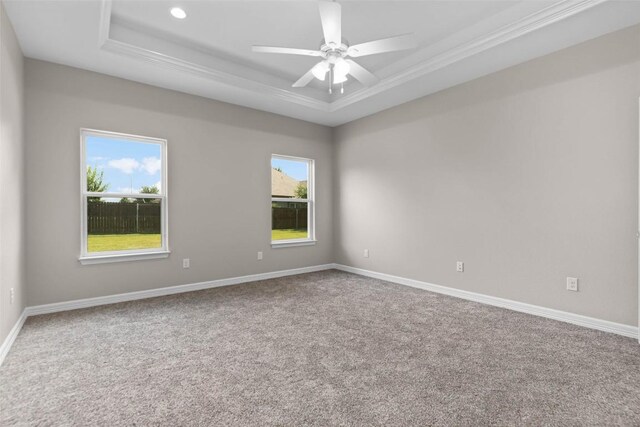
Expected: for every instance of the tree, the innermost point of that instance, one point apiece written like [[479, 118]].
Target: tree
[[149, 190], [301, 190], [279, 169], [95, 182]]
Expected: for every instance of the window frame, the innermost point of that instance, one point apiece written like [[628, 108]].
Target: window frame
[[310, 200], [131, 254]]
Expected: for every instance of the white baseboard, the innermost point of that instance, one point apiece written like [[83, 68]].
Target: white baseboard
[[8, 341], [169, 290], [563, 316], [132, 296]]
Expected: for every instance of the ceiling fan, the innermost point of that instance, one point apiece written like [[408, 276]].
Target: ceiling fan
[[335, 52]]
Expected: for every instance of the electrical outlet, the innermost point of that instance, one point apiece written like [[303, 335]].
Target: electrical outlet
[[366, 253], [186, 263], [259, 256], [11, 295], [572, 284], [460, 266]]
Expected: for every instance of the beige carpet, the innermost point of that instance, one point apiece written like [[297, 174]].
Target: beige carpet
[[326, 348]]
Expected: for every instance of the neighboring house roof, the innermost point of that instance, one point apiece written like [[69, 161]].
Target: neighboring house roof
[[282, 185]]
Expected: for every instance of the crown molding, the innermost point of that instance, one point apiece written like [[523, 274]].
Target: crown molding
[[552, 14], [538, 20], [121, 48], [105, 22]]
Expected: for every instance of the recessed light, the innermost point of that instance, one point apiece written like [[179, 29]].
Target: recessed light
[[178, 13]]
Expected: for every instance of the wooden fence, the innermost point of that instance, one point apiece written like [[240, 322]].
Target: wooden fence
[[286, 218], [144, 218], [123, 218]]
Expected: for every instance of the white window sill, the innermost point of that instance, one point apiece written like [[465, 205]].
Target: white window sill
[[277, 244], [103, 259]]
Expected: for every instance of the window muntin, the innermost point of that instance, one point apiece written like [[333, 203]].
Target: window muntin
[[124, 195], [292, 200]]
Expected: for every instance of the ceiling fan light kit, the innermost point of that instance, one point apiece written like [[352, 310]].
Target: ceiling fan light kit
[[340, 70], [334, 51], [320, 70]]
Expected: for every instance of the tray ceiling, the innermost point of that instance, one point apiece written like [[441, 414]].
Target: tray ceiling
[[209, 52]]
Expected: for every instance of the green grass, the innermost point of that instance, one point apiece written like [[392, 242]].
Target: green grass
[[288, 234], [120, 242]]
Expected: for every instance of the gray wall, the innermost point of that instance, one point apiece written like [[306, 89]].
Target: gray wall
[[528, 175], [12, 179], [219, 183]]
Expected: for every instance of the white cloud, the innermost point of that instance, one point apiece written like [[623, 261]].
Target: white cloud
[[159, 185], [151, 165], [126, 165]]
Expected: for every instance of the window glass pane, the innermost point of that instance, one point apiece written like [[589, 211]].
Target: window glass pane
[[121, 165], [289, 178], [123, 224], [289, 220]]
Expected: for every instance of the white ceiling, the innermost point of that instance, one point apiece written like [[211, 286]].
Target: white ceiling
[[209, 52]]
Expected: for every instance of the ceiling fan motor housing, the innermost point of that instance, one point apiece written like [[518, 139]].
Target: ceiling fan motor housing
[[331, 52]]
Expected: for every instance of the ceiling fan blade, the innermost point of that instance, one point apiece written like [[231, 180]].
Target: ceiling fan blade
[[286, 50], [305, 79], [331, 17], [403, 42], [361, 74]]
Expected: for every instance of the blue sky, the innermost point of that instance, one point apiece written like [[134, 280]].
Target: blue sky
[[125, 163], [295, 169]]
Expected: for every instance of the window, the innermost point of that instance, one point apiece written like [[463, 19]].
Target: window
[[124, 197], [292, 201]]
